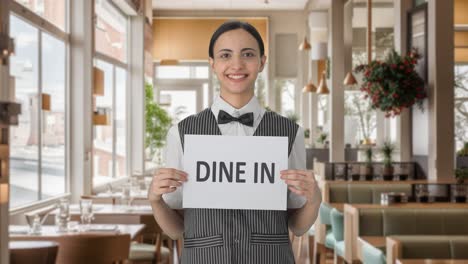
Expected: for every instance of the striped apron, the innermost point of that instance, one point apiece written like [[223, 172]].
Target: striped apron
[[225, 236]]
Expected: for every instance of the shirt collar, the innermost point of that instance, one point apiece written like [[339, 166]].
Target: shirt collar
[[252, 106]]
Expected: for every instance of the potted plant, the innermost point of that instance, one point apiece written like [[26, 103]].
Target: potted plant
[[158, 123], [462, 156], [393, 84], [322, 139], [387, 151], [367, 169], [461, 174], [459, 190]]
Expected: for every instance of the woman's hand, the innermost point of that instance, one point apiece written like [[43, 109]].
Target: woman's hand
[[165, 180], [301, 182]]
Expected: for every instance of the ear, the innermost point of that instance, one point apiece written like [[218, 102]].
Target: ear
[[211, 60], [262, 63]]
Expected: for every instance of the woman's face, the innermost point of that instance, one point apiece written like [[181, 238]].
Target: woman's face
[[237, 62]]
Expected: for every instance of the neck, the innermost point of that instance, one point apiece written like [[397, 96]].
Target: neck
[[237, 100]]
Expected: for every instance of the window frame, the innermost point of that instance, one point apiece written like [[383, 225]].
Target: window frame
[[114, 62], [42, 25]]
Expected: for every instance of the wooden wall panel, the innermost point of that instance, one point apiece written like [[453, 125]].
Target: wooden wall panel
[[188, 38], [461, 11]]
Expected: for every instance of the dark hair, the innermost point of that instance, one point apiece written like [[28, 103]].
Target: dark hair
[[235, 24]]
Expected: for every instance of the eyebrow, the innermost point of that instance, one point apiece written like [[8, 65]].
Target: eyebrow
[[228, 50]]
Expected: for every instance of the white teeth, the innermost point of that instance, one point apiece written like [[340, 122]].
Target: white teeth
[[237, 76]]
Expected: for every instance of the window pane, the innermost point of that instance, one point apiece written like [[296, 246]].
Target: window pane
[[24, 152], [53, 122], [461, 105], [120, 121], [103, 138], [52, 10], [181, 104], [286, 90], [201, 72], [110, 31], [172, 72], [360, 119]]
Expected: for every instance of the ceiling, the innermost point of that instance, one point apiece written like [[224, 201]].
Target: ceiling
[[229, 4]]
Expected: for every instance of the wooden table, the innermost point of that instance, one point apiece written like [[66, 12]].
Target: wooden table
[[432, 261], [114, 214], [351, 220], [20, 232], [376, 241]]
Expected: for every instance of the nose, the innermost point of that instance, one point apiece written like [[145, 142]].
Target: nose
[[237, 62]]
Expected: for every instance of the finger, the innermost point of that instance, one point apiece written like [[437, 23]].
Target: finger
[[308, 176], [298, 184], [168, 175], [164, 190], [171, 171], [168, 183], [296, 191], [301, 173]]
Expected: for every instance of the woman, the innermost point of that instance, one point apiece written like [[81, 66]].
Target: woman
[[236, 54]]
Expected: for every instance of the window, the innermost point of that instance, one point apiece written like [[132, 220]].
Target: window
[[52, 10], [285, 89], [110, 148], [38, 143], [180, 90], [110, 30], [360, 119], [109, 145], [461, 105]]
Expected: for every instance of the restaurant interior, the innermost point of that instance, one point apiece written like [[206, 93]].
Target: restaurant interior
[[89, 89]]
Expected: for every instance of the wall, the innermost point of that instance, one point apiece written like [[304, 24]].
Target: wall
[[279, 22]]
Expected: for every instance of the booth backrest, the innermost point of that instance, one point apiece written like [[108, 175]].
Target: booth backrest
[[364, 193], [400, 221], [433, 247]]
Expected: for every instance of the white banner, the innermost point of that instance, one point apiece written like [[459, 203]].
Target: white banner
[[235, 172]]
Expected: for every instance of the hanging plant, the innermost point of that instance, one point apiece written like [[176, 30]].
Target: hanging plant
[[393, 84]]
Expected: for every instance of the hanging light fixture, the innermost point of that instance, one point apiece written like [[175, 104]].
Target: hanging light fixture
[[323, 88], [305, 45], [309, 88], [350, 79]]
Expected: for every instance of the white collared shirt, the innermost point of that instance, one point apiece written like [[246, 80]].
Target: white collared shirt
[[173, 150]]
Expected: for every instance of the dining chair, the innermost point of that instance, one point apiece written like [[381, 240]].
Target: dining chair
[[96, 248], [42, 252], [152, 248]]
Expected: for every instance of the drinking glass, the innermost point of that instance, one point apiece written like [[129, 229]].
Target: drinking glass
[[86, 212], [63, 215], [126, 198]]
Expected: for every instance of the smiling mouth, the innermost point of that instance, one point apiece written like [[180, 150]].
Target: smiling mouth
[[237, 77]]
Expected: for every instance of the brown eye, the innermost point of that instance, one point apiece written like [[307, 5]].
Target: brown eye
[[249, 54], [225, 55]]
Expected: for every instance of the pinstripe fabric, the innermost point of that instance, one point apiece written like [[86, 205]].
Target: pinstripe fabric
[[236, 236]]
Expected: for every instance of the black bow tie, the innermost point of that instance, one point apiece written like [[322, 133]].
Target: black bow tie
[[245, 119]]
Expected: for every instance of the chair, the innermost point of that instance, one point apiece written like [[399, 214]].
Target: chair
[[90, 248], [42, 252], [321, 250], [153, 249], [42, 212]]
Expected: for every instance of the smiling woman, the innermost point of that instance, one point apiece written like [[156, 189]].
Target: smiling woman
[[237, 56]]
